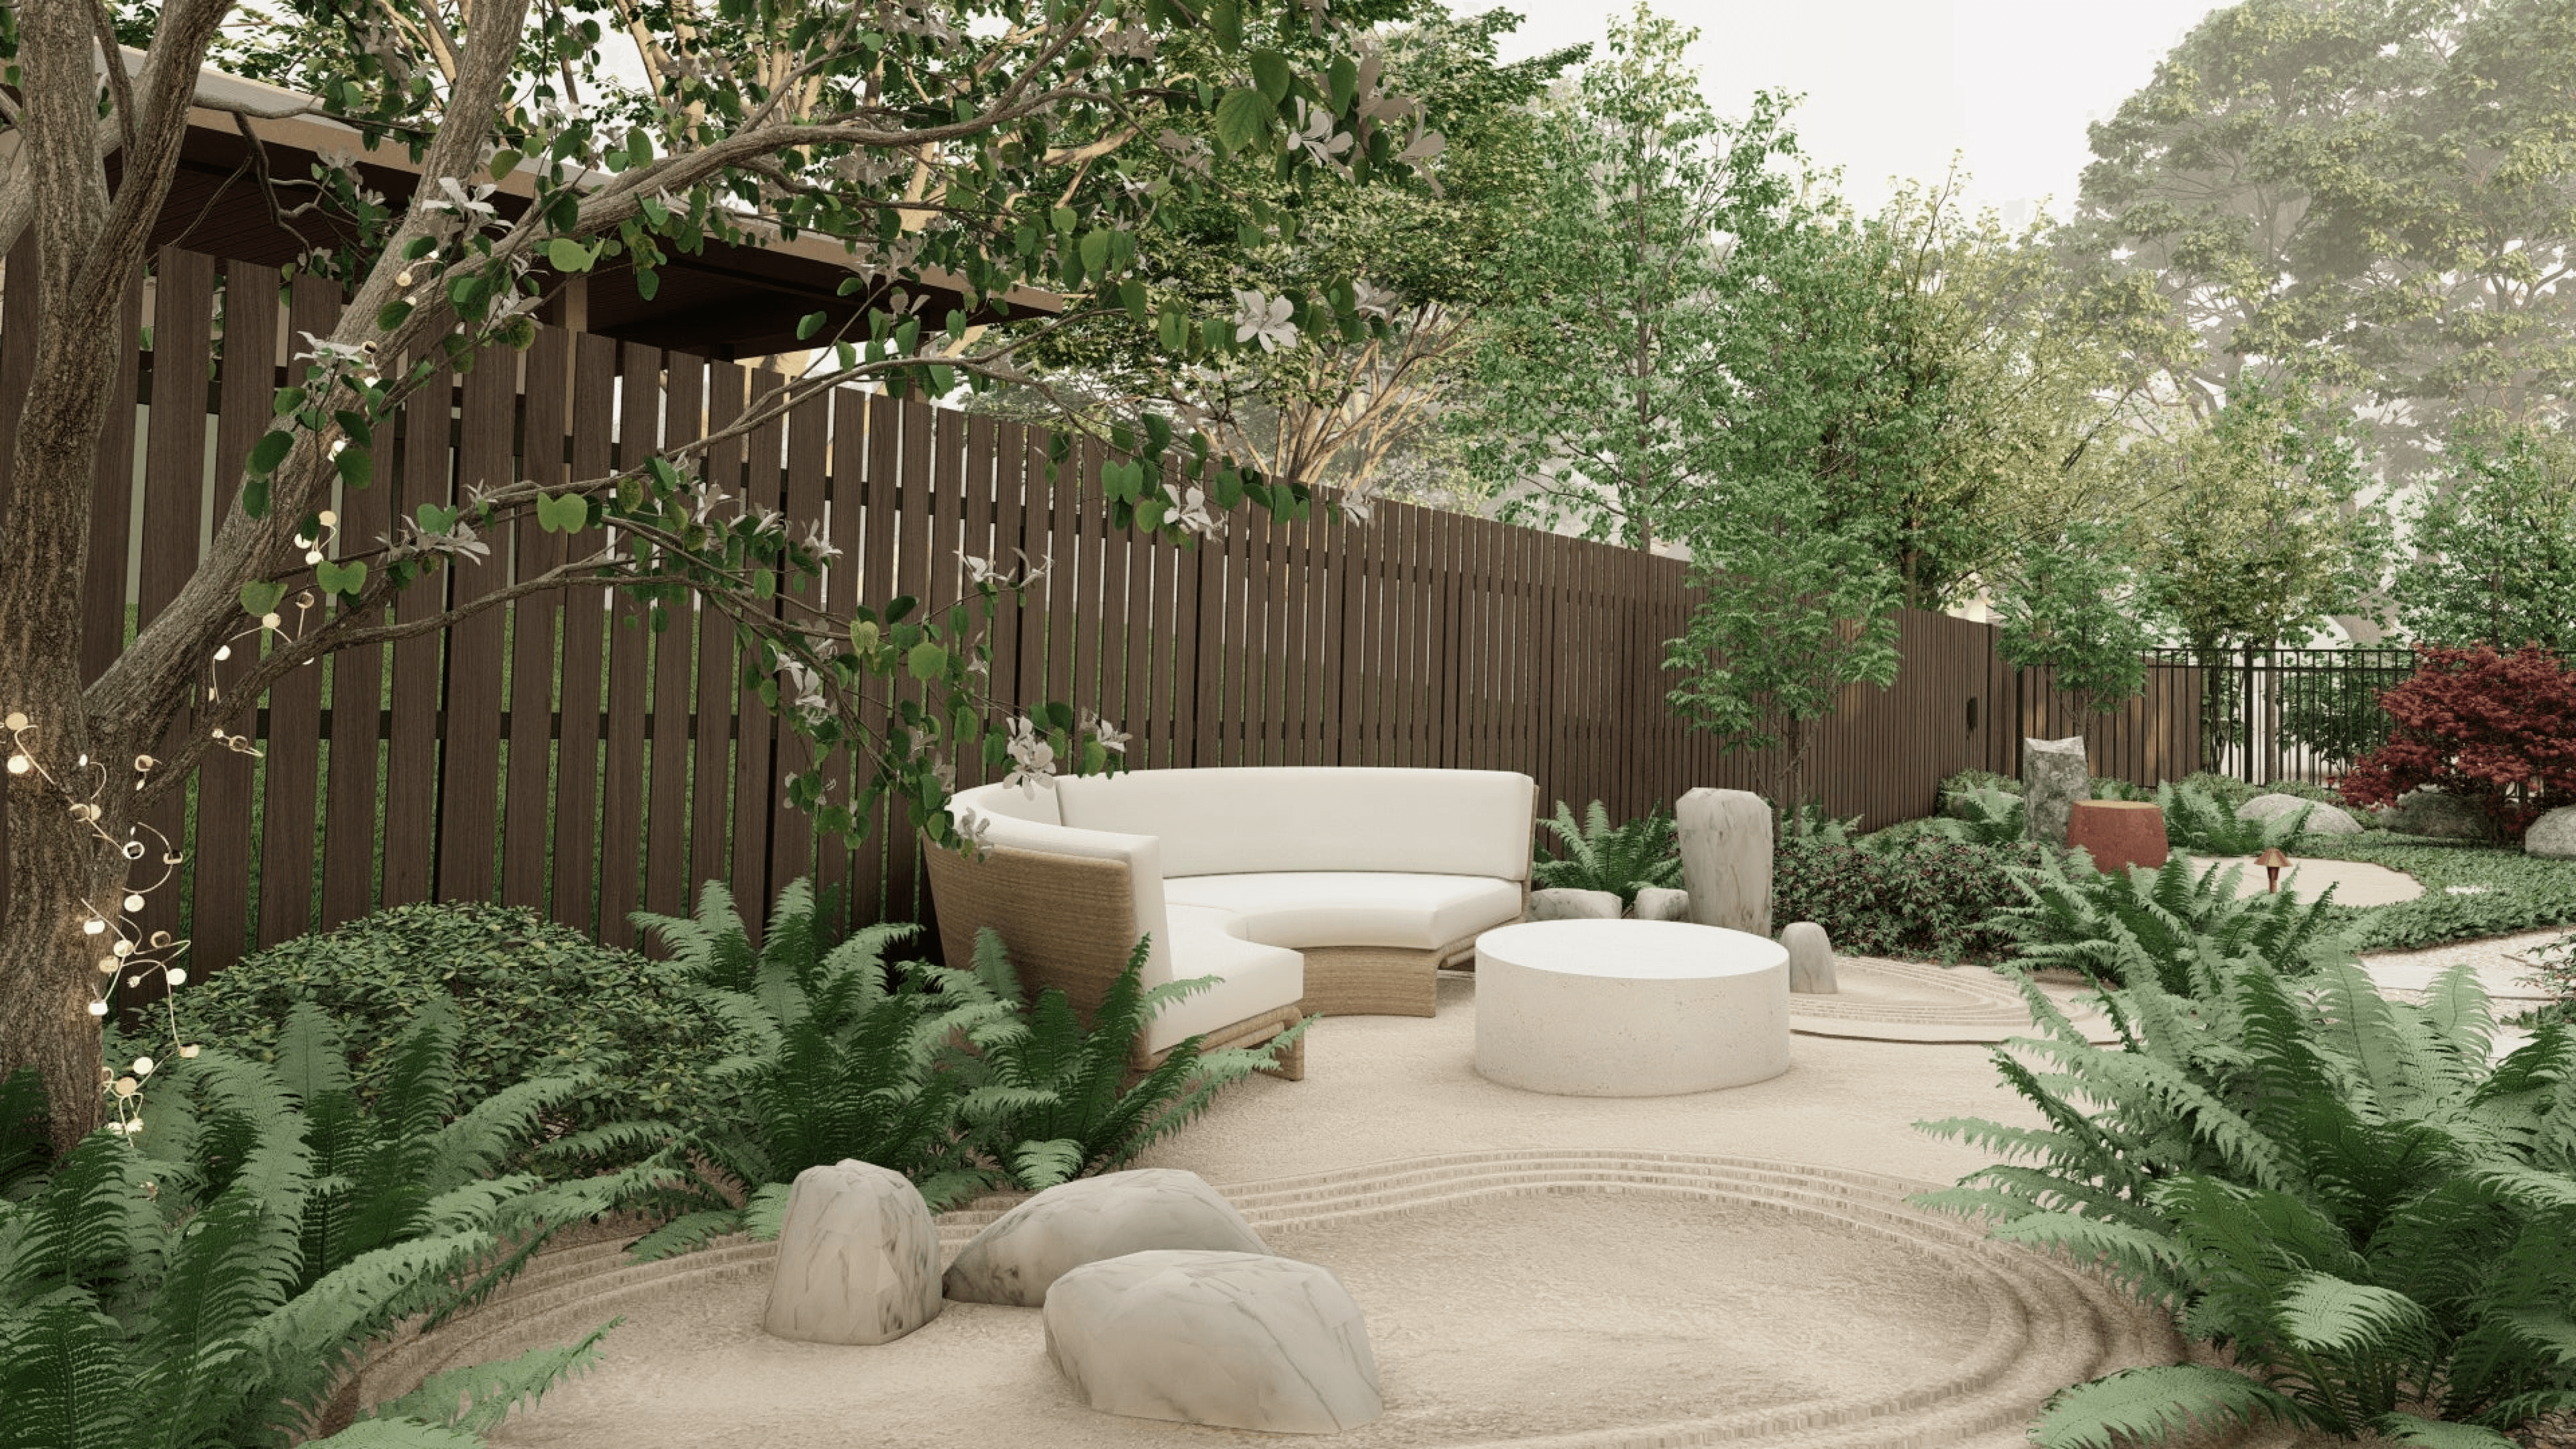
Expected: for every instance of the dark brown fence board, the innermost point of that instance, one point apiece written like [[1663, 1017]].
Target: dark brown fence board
[[755, 791], [351, 825], [848, 485], [809, 452], [667, 887], [585, 645], [535, 622], [411, 743], [711, 813], [111, 485], [623, 749], [469, 800], [880, 454], [292, 783]]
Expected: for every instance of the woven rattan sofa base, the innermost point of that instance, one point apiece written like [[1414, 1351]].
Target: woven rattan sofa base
[[1378, 980], [1068, 922]]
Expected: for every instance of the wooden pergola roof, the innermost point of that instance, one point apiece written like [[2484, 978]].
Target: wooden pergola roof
[[726, 301]]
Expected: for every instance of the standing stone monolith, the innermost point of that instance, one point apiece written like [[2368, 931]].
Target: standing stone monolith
[[1726, 858], [858, 1258], [1811, 959], [2053, 778]]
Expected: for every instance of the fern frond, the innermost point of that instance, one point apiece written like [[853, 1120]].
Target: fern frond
[[1044, 1164], [2322, 1311], [684, 1233], [764, 1217], [65, 1376], [476, 1399], [2438, 1433], [2141, 1405]]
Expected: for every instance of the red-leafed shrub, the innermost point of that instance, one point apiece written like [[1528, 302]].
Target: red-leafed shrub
[[2497, 730]]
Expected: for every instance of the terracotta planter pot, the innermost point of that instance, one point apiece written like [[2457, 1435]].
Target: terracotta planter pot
[[2118, 833]]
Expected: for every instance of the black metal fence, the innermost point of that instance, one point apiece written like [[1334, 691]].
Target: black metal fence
[[2292, 714]]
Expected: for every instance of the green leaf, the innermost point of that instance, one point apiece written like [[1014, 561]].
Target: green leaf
[[269, 451], [504, 161], [647, 282], [809, 324], [1225, 21], [261, 597], [2142, 1405], [1344, 80], [1242, 115], [338, 578], [288, 400], [569, 513], [927, 661], [392, 315], [1095, 251], [357, 466], [434, 519], [567, 255], [254, 497], [1270, 75]]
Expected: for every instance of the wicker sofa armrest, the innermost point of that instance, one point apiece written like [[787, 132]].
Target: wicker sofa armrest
[[1067, 921]]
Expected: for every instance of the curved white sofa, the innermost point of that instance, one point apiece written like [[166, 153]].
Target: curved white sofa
[[1303, 889]]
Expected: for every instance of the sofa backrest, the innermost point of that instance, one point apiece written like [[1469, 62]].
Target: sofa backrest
[[1229, 821], [1142, 855]]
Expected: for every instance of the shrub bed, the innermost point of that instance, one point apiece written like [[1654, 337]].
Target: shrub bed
[[2519, 892], [1915, 898]]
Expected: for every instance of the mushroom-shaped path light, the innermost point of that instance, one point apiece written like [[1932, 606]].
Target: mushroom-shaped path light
[[2272, 859]]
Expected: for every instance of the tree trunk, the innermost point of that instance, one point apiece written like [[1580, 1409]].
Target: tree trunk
[[46, 960]]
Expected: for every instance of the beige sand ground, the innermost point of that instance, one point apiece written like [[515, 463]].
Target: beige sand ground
[[2356, 882]]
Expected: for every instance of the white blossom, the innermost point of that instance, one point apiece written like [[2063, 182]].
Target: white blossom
[[1032, 759], [1315, 135], [1265, 318]]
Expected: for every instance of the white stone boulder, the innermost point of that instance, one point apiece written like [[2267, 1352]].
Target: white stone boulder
[[858, 1258], [2054, 776], [1811, 959], [1088, 1219], [1570, 905], [2553, 835], [1241, 1340], [2323, 819], [1661, 903], [1726, 858]]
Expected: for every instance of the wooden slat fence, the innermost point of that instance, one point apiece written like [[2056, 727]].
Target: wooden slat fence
[[557, 753]]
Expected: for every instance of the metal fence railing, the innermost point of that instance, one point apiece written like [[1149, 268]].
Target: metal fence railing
[[2292, 714]]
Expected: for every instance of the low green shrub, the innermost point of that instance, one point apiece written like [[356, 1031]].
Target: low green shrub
[[1981, 815], [1598, 856], [535, 998], [1919, 898], [215, 1278], [2205, 822], [2377, 1225]]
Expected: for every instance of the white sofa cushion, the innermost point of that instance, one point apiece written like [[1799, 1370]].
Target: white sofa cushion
[[1302, 909], [1248, 820], [1256, 978]]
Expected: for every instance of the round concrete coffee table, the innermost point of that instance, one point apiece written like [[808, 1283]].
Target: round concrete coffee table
[[1629, 1008]]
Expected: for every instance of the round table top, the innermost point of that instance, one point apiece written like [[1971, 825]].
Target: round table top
[[1633, 950], [2116, 805]]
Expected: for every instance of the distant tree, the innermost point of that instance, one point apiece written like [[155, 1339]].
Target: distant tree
[[2494, 546], [1592, 401], [1791, 612], [2389, 181], [2250, 527], [2072, 605]]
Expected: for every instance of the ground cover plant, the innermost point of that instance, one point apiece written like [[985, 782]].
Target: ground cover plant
[[1596, 855], [533, 998], [2376, 1226], [950, 1076], [2113, 926], [2471, 891], [212, 1278]]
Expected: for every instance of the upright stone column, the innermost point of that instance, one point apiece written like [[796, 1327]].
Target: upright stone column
[[2053, 778], [1726, 858]]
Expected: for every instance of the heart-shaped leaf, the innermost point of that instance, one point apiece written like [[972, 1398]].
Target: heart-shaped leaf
[[927, 661], [1270, 75], [567, 255], [260, 597], [434, 519], [269, 451], [339, 578], [357, 467], [567, 514]]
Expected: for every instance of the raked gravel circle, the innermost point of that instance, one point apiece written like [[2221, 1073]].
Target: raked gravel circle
[[1585, 1299], [1910, 1001]]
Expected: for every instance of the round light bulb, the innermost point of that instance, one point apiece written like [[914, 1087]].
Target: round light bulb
[[313, 555], [106, 965], [93, 927], [143, 1066], [329, 518], [127, 1086], [133, 902], [123, 948], [223, 652], [98, 1008], [175, 976], [20, 764], [189, 1050], [269, 621]]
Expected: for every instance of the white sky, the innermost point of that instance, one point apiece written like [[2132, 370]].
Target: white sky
[[1893, 87]]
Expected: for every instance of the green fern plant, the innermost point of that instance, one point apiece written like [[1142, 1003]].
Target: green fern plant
[[1049, 1099], [1598, 856], [2200, 821], [1982, 815], [214, 1280], [2122, 926], [839, 1058], [2377, 1225]]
